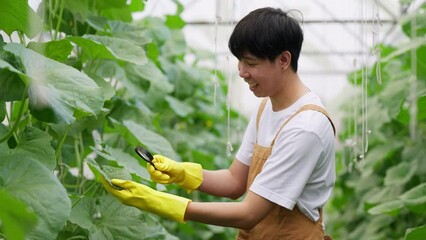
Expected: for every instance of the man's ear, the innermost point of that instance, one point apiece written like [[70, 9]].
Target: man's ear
[[285, 60]]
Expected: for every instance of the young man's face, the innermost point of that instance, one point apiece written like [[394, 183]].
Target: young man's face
[[263, 76]]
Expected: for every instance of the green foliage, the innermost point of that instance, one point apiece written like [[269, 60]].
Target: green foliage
[[17, 218], [383, 196], [75, 106]]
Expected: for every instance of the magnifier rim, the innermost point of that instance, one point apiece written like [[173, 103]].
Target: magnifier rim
[[142, 152]]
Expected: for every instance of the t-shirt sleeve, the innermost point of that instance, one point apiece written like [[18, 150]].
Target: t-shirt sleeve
[[245, 152], [288, 169]]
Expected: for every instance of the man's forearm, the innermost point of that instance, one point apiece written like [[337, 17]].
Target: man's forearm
[[226, 214], [229, 183], [243, 215]]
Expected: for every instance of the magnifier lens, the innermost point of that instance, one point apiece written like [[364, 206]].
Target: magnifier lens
[[145, 155]]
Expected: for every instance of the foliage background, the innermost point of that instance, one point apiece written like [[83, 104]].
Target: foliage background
[[383, 195], [82, 81]]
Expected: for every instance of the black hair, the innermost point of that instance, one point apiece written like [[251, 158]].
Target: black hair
[[266, 33]]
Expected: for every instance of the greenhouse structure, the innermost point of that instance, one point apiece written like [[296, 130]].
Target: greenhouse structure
[[85, 83]]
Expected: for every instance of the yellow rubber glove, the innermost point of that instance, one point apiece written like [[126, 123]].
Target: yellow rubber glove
[[147, 199], [187, 175]]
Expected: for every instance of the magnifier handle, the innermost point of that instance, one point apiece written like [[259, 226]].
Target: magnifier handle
[[145, 155], [152, 164]]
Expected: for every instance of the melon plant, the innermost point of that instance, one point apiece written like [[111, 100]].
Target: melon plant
[[83, 81], [382, 195]]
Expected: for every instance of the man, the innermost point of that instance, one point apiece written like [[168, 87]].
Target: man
[[285, 165]]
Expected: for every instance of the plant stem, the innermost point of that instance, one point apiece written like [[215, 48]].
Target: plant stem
[[58, 24], [18, 119], [85, 192], [58, 153], [77, 237], [22, 38], [77, 152], [50, 17]]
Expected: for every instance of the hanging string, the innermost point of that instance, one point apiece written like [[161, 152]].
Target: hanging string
[[364, 80], [229, 147], [377, 23], [413, 81], [353, 143], [216, 24], [363, 23]]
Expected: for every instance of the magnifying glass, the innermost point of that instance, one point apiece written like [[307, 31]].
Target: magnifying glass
[[145, 155]]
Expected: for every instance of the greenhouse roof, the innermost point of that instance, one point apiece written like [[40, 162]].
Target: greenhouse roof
[[339, 35]]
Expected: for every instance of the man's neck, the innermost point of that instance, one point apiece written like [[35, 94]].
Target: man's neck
[[291, 92]]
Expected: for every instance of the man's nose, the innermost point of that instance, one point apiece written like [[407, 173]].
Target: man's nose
[[243, 72]]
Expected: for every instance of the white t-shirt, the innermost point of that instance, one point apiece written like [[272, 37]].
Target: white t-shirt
[[301, 168]]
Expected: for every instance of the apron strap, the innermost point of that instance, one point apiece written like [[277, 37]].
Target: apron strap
[[259, 113], [305, 108]]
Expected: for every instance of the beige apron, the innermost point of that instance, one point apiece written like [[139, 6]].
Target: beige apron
[[281, 223]]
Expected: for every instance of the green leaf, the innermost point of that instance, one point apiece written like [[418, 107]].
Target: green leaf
[[105, 4], [380, 194], [186, 79], [121, 14], [175, 22], [179, 7], [374, 229], [107, 90], [416, 155], [391, 208], [55, 50], [36, 143], [180, 108], [130, 163], [17, 15], [377, 156], [130, 32], [136, 134], [406, 48], [79, 8], [421, 62], [17, 220], [132, 110], [404, 115], [12, 86], [105, 218], [137, 5], [149, 72], [110, 69], [3, 131], [116, 172], [416, 233], [110, 48], [156, 29], [175, 45], [415, 198], [32, 183], [107, 172], [393, 95], [416, 19], [3, 111], [97, 22], [399, 174], [97, 170], [153, 141], [57, 90]]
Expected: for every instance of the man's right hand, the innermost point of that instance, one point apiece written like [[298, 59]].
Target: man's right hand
[[187, 175]]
